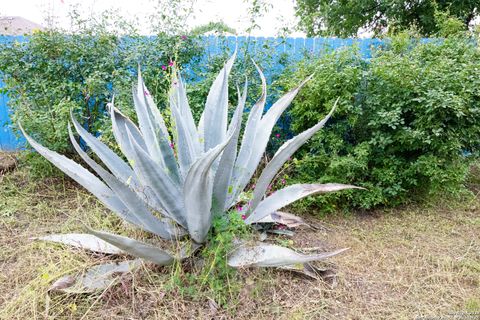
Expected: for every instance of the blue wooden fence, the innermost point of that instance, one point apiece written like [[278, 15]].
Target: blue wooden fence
[[8, 141], [295, 48]]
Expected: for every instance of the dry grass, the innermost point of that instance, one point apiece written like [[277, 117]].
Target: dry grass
[[402, 263]]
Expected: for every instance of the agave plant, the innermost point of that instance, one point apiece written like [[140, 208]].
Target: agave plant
[[174, 185]]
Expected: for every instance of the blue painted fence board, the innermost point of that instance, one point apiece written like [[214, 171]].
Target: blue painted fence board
[[296, 48], [8, 141]]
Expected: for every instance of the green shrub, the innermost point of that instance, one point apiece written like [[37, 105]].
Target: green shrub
[[406, 120]]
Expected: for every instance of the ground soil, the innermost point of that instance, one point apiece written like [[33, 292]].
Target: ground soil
[[8, 162]]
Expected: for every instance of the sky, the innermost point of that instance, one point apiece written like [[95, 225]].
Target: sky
[[233, 12]]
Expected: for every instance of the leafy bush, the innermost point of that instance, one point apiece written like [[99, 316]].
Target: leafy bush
[[406, 120], [51, 72]]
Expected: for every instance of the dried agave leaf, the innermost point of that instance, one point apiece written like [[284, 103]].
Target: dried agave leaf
[[269, 255], [94, 279], [312, 271], [283, 232], [285, 218]]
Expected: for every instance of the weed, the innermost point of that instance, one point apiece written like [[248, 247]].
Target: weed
[[211, 276]]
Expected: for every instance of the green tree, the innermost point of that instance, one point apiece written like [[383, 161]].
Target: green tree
[[347, 17]]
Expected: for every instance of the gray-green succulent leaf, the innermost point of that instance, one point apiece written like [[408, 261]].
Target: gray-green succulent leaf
[[290, 194], [281, 156], [136, 248], [83, 241], [269, 255]]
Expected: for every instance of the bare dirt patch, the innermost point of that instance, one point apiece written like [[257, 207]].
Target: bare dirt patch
[[402, 264], [8, 162]]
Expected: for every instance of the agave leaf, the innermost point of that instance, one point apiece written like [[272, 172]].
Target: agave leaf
[[224, 170], [96, 278], [281, 156], [154, 130], [215, 114], [269, 255], [146, 220], [185, 109], [83, 241], [78, 173], [121, 210], [120, 126], [187, 146], [113, 162], [262, 136], [135, 210], [153, 112], [254, 117], [248, 140], [92, 164], [151, 129], [287, 195], [181, 101], [197, 193], [285, 218], [156, 179], [237, 115], [136, 248]]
